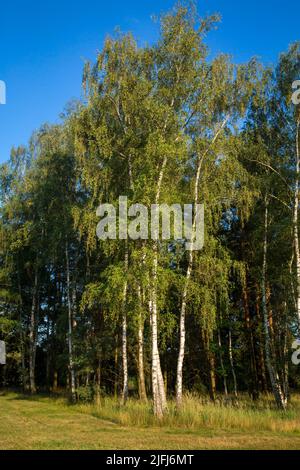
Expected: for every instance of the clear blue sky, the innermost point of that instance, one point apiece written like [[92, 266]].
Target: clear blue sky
[[43, 45]]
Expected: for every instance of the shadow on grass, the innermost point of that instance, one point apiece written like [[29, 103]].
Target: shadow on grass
[[15, 395]]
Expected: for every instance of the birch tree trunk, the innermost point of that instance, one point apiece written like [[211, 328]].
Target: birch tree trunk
[[181, 352], [262, 366], [141, 373], [274, 379], [158, 389], [212, 371], [33, 334], [116, 361], [232, 363], [22, 339], [285, 358], [70, 329], [124, 394], [295, 223], [98, 383], [222, 363], [250, 340]]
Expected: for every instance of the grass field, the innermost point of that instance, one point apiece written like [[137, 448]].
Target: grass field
[[48, 423]]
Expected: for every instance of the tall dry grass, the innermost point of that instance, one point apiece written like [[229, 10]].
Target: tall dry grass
[[198, 413]]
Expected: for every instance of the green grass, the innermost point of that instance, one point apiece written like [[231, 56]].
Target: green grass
[[47, 423]]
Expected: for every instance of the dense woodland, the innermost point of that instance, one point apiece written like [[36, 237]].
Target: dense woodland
[[163, 123]]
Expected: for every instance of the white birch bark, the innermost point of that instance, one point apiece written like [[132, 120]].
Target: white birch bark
[[158, 389], [124, 395], [141, 373], [159, 394], [295, 224], [32, 335], [22, 339], [70, 329], [179, 378]]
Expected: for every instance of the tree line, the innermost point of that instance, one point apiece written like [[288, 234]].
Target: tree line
[[162, 123]]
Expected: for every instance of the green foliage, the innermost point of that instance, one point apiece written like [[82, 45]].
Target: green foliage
[[151, 116]]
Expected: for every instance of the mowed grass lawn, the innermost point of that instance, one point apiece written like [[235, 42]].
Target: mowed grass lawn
[[47, 423]]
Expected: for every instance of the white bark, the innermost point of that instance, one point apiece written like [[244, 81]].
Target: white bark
[[142, 386], [33, 335], [158, 389], [70, 329], [295, 224], [124, 334], [181, 353], [124, 394], [22, 339], [159, 397]]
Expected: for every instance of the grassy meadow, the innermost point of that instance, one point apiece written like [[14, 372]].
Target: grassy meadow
[[42, 422]]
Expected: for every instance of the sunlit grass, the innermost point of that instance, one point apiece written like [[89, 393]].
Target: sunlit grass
[[42, 422], [199, 413]]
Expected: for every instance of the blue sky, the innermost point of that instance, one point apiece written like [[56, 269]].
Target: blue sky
[[43, 46]]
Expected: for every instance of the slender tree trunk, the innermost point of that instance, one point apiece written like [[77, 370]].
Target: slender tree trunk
[[286, 389], [179, 378], [48, 356], [116, 360], [22, 339], [212, 374], [262, 365], [211, 366], [250, 340], [32, 334], [232, 363], [70, 329], [285, 356], [274, 379], [141, 374], [295, 223], [98, 382], [87, 379], [159, 399], [124, 395], [23, 366], [162, 386], [55, 381], [222, 363], [158, 389]]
